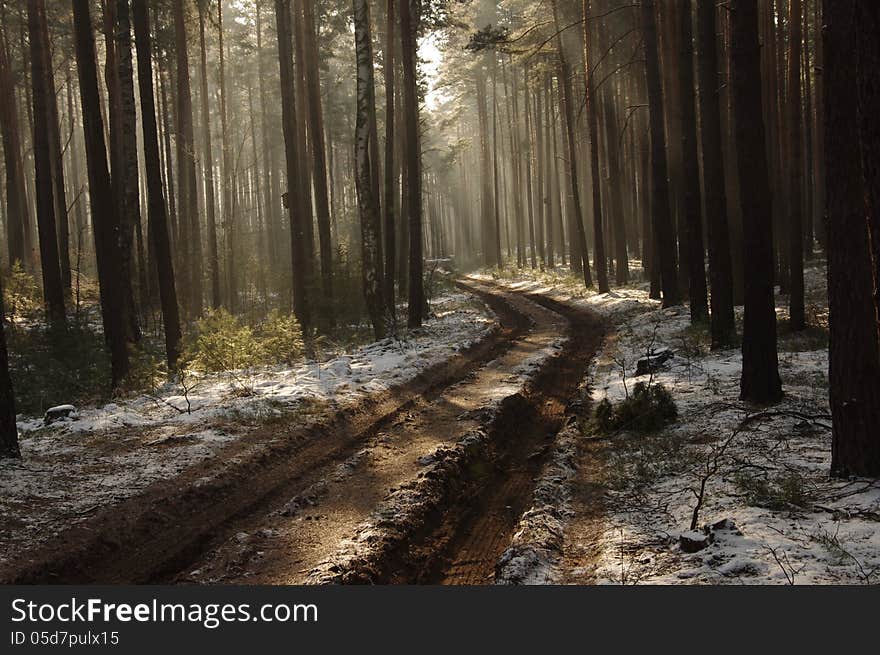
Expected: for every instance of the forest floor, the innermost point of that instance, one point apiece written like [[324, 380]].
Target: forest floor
[[461, 453], [621, 508], [408, 461]]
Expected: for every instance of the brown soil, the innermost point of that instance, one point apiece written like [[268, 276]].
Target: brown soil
[[274, 508]]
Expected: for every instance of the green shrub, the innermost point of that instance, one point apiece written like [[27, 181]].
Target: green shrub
[[50, 367], [280, 339], [648, 409], [778, 492], [222, 343], [21, 293]]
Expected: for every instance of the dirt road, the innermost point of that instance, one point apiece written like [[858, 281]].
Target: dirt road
[[423, 484]]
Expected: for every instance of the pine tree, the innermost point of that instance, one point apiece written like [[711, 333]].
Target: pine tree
[[760, 381]]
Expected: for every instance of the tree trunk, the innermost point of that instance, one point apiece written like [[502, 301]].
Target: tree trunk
[[229, 204], [722, 328], [797, 319], [294, 202], [599, 260], [161, 245], [104, 218], [868, 22], [208, 165], [190, 241], [662, 228], [390, 169], [53, 289], [564, 78], [8, 428], [616, 180], [17, 213], [56, 158], [854, 366], [410, 15], [367, 187], [693, 223], [818, 217], [760, 381], [316, 131], [130, 221]]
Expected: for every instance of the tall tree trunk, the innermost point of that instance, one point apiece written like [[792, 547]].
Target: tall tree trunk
[[564, 77], [854, 364], [104, 218], [316, 132], [760, 381], [410, 15], [229, 204], [487, 208], [267, 150], [294, 200], [868, 22], [158, 225], [17, 213], [8, 428], [551, 197], [56, 158], [130, 220], [662, 227], [797, 320], [190, 241], [390, 165], [367, 187], [722, 328], [53, 289], [599, 260], [818, 216], [616, 179], [693, 224], [208, 165], [79, 215]]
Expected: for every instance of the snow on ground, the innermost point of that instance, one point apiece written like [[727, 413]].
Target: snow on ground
[[778, 517], [72, 467]]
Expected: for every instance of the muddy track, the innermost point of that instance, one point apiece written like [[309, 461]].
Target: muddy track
[[154, 535], [466, 544], [294, 499]]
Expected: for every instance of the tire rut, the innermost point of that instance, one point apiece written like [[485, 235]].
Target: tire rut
[[475, 533], [153, 536], [294, 543]]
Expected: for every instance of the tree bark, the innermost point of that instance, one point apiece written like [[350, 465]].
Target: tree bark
[[410, 15], [104, 218], [390, 169], [797, 320], [316, 131], [190, 241], [130, 220], [854, 365], [367, 187], [301, 305], [722, 325], [693, 224], [868, 22], [662, 228], [208, 165], [8, 428], [564, 77], [17, 213], [53, 289], [599, 260], [158, 225], [760, 381]]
